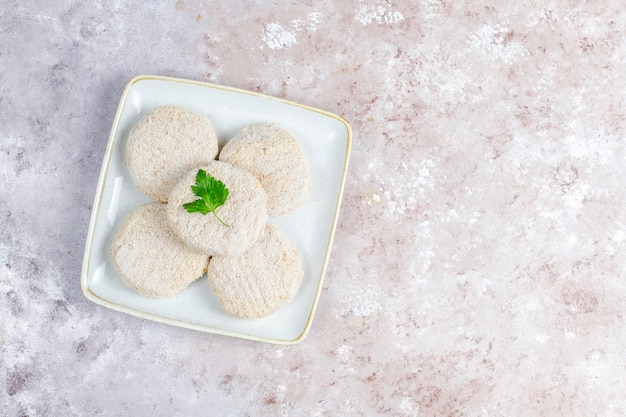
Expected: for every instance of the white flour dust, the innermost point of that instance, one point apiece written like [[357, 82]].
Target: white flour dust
[[277, 36], [381, 13], [493, 41]]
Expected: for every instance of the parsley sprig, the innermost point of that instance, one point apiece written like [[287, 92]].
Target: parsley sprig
[[212, 192]]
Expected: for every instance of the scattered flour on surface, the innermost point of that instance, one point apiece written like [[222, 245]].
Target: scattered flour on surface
[[276, 36], [344, 353], [308, 25], [405, 190], [381, 13], [408, 405], [494, 43], [364, 299], [445, 85], [432, 9], [371, 198], [368, 301]]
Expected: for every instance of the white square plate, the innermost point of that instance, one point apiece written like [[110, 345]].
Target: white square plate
[[325, 140]]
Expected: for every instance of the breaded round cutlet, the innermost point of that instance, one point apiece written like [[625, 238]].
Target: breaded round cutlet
[[164, 145], [244, 211], [151, 258], [261, 280], [275, 158]]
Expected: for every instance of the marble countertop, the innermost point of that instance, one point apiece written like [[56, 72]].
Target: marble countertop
[[479, 263]]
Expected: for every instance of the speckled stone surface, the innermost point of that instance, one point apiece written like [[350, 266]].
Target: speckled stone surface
[[479, 264]]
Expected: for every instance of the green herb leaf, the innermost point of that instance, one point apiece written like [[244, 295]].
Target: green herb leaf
[[198, 206], [212, 192]]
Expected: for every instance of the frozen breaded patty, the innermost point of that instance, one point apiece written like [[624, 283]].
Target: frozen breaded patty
[[151, 258], [164, 145], [274, 157], [245, 212], [259, 281]]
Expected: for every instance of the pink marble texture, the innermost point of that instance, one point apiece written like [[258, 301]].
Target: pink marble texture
[[479, 263]]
